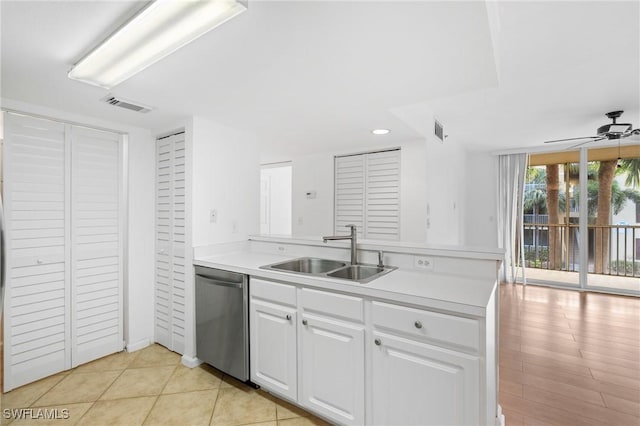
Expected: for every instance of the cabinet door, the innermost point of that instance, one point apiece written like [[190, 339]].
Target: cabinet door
[[96, 244], [273, 347], [170, 242], [332, 369], [418, 384], [36, 197]]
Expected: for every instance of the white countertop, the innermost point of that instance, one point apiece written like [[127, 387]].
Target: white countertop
[[439, 291]]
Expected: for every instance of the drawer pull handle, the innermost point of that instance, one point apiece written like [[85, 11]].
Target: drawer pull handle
[[418, 324], [288, 317], [305, 322], [378, 342]]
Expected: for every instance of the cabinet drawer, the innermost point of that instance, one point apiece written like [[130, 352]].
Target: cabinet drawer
[[283, 294], [458, 331], [339, 305]]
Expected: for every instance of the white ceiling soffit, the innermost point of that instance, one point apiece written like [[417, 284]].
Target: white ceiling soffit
[[303, 76], [318, 76], [562, 66]]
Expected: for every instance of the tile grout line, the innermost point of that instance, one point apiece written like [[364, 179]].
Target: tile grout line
[[160, 394]]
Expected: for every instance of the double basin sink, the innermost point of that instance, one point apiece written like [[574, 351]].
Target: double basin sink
[[331, 269]]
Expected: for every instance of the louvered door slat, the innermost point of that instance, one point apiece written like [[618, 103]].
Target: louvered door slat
[[96, 257], [36, 320]]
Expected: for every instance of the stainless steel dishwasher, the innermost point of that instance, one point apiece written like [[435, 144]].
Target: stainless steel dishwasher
[[222, 322]]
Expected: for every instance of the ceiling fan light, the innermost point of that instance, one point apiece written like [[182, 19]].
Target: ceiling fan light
[[614, 129], [157, 31]]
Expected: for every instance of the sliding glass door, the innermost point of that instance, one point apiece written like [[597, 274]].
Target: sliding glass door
[[585, 242]]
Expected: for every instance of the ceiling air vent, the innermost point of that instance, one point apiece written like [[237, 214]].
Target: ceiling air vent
[[126, 104], [438, 129]]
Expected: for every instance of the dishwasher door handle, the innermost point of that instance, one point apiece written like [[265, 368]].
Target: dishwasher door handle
[[221, 283]]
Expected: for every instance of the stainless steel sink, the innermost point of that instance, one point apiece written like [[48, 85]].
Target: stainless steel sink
[[308, 265], [360, 273], [330, 269]]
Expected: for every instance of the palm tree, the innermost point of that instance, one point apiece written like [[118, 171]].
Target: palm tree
[[606, 173]]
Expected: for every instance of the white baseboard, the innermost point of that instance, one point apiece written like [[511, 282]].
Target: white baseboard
[[136, 346], [190, 362], [500, 421]]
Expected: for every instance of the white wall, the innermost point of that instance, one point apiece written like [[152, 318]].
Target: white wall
[[446, 183], [314, 217], [139, 281], [226, 177], [276, 197], [481, 200]]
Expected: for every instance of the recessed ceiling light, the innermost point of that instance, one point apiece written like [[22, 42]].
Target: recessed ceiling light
[[380, 131]]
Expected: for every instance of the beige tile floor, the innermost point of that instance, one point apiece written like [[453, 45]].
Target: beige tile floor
[[151, 387]]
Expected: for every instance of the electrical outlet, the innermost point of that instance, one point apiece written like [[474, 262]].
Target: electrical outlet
[[425, 263], [213, 216]]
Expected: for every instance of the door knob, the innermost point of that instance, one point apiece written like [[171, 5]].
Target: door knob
[[378, 342], [288, 317], [305, 322], [418, 324]]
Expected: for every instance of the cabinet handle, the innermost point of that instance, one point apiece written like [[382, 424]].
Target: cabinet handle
[[288, 317], [418, 324], [305, 322], [378, 342]]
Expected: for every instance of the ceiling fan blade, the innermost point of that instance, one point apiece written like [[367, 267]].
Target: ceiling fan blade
[[586, 142], [592, 138]]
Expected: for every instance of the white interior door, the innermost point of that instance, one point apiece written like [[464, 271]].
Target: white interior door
[[96, 244], [36, 314], [170, 242]]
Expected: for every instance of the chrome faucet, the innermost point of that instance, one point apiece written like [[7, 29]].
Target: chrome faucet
[[352, 237]]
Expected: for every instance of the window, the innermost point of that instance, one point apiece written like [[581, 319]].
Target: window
[[367, 194]]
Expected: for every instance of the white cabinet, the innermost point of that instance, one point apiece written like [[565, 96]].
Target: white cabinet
[[273, 338], [64, 241], [425, 367], [332, 368], [365, 361], [414, 383], [171, 240]]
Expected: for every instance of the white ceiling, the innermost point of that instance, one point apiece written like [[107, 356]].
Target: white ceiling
[[318, 76]]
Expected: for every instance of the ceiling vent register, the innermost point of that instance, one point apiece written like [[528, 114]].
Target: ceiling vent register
[[438, 130], [126, 104]]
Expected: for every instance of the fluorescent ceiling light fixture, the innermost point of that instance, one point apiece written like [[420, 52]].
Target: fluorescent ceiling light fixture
[[158, 30], [380, 131]]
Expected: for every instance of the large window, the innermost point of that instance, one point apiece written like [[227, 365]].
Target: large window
[[367, 194]]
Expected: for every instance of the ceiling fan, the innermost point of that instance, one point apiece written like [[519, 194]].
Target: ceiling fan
[[611, 131]]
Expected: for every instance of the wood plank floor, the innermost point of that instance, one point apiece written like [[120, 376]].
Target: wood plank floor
[[569, 358]]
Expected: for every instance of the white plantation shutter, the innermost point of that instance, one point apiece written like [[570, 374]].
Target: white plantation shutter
[[64, 247], [36, 318], [383, 196], [170, 242], [367, 194], [96, 238]]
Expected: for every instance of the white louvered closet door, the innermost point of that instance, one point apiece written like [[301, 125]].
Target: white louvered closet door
[[96, 244], [36, 316], [382, 195], [349, 193], [367, 194], [170, 242]]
